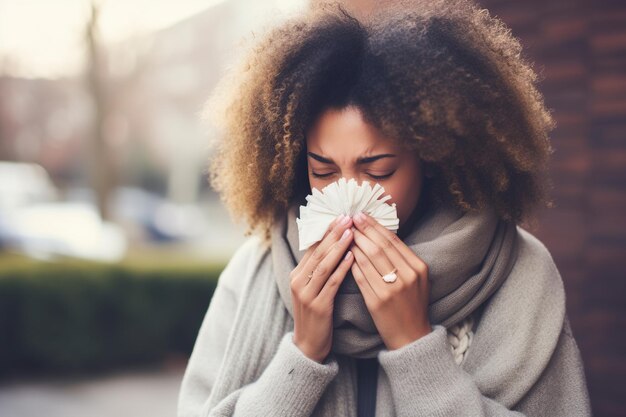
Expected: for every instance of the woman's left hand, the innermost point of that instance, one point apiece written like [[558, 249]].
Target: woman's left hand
[[399, 309]]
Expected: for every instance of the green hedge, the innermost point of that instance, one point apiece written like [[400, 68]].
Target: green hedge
[[82, 317]]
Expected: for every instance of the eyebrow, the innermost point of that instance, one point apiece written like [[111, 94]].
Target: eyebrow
[[359, 161]]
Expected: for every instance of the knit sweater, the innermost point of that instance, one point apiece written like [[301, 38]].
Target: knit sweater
[[421, 378]]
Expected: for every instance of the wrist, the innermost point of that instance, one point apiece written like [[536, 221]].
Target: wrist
[[306, 352], [410, 337]]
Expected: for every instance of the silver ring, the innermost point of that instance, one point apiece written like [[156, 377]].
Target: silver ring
[[391, 276]]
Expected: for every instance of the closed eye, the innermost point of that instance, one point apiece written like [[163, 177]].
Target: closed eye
[[376, 177], [381, 177], [321, 175]]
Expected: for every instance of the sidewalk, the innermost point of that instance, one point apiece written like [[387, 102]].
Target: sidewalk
[[136, 394]]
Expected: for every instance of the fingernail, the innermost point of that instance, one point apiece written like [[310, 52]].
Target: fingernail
[[348, 255], [345, 220], [345, 234], [360, 217]]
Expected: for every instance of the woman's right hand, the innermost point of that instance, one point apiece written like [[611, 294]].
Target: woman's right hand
[[314, 299]]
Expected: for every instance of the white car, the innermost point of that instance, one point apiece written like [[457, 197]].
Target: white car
[[34, 223]]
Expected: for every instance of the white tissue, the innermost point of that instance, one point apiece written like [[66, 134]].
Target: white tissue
[[343, 197]]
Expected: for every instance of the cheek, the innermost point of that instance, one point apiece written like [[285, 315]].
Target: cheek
[[404, 190], [398, 192], [316, 183]]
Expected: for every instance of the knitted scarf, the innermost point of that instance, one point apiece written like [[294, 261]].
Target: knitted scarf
[[478, 250], [473, 262]]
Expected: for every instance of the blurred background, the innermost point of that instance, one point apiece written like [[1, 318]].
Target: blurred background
[[111, 240]]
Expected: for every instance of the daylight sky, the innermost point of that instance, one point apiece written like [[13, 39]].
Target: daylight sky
[[41, 38]]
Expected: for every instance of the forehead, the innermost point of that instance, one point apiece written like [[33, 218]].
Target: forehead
[[345, 131]]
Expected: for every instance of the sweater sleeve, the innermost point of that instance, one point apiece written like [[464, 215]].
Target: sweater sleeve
[[290, 385], [425, 380]]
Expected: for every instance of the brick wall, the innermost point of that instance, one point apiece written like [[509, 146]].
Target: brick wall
[[580, 48]]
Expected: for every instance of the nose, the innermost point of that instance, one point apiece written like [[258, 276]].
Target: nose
[[356, 176]]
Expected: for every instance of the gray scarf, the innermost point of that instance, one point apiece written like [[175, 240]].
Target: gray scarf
[[474, 259], [468, 255]]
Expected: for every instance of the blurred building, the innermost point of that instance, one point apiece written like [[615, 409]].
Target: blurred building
[[147, 112], [156, 85]]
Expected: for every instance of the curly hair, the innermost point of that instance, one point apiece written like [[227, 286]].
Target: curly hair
[[443, 77]]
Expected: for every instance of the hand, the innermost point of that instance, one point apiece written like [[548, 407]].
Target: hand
[[399, 309], [314, 298]]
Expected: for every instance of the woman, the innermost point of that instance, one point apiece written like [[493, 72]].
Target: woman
[[433, 100]]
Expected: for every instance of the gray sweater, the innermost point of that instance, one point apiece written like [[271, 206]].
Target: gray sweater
[[420, 379]]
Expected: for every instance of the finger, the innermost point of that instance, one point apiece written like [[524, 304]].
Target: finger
[[374, 252], [307, 254], [309, 265], [410, 258], [382, 254], [325, 268], [330, 288], [324, 245], [311, 248], [370, 272], [369, 295]]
